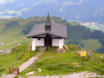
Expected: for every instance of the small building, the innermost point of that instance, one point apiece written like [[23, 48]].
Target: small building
[[48, 34]]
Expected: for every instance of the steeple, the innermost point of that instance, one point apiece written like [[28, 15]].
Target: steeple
[[48, 23]]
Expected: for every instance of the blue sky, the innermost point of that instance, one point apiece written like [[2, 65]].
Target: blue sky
[[68, 9], [11, 8]]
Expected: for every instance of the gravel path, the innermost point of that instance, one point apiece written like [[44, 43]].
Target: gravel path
[[26, 64], [74, 75]]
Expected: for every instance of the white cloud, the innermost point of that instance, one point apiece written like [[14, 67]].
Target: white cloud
[[73, 3], [6, 1], [8, 13], [17, 12], [24, 9], [45, 2], [52, 1], [38, 3], [61, 10], [69, 3], [6, 16]]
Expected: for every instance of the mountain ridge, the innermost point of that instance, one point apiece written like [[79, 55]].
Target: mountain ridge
[[17, 29]]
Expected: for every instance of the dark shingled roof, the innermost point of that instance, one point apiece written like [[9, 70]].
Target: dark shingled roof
[[59, 30]]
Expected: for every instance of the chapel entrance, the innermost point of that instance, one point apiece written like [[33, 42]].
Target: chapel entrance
[[48, 41]]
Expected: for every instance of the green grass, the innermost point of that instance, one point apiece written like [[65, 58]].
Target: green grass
[[91, 44], [19, 55], [52, 63], [11, 40]]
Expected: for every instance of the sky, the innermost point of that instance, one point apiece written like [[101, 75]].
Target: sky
[[11, 8], [84, 10]]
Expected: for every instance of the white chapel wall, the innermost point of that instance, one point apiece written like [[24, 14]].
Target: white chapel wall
[[33, 45], [55, 42], [39, 42], [61, 43]]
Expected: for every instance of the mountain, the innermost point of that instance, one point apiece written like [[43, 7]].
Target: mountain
[[14, 31], [72, 10], [93, 26]]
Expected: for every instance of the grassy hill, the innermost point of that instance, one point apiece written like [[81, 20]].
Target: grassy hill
[[52, 63], [19, 55], [70, 61], [15, 30], [91, 44]]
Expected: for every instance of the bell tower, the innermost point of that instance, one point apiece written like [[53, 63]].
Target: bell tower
[[48, 23]]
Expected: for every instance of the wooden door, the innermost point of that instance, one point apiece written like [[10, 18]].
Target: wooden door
[[48, 41]]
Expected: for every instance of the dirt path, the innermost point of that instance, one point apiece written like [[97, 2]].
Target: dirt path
[[74, 75], [26, 64]]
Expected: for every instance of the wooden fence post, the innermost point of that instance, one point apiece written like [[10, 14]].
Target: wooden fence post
[[18, 71]]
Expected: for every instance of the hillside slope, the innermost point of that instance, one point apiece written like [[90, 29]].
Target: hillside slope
[[14, 31], [52, 63], [70, 61], [18, 56]]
